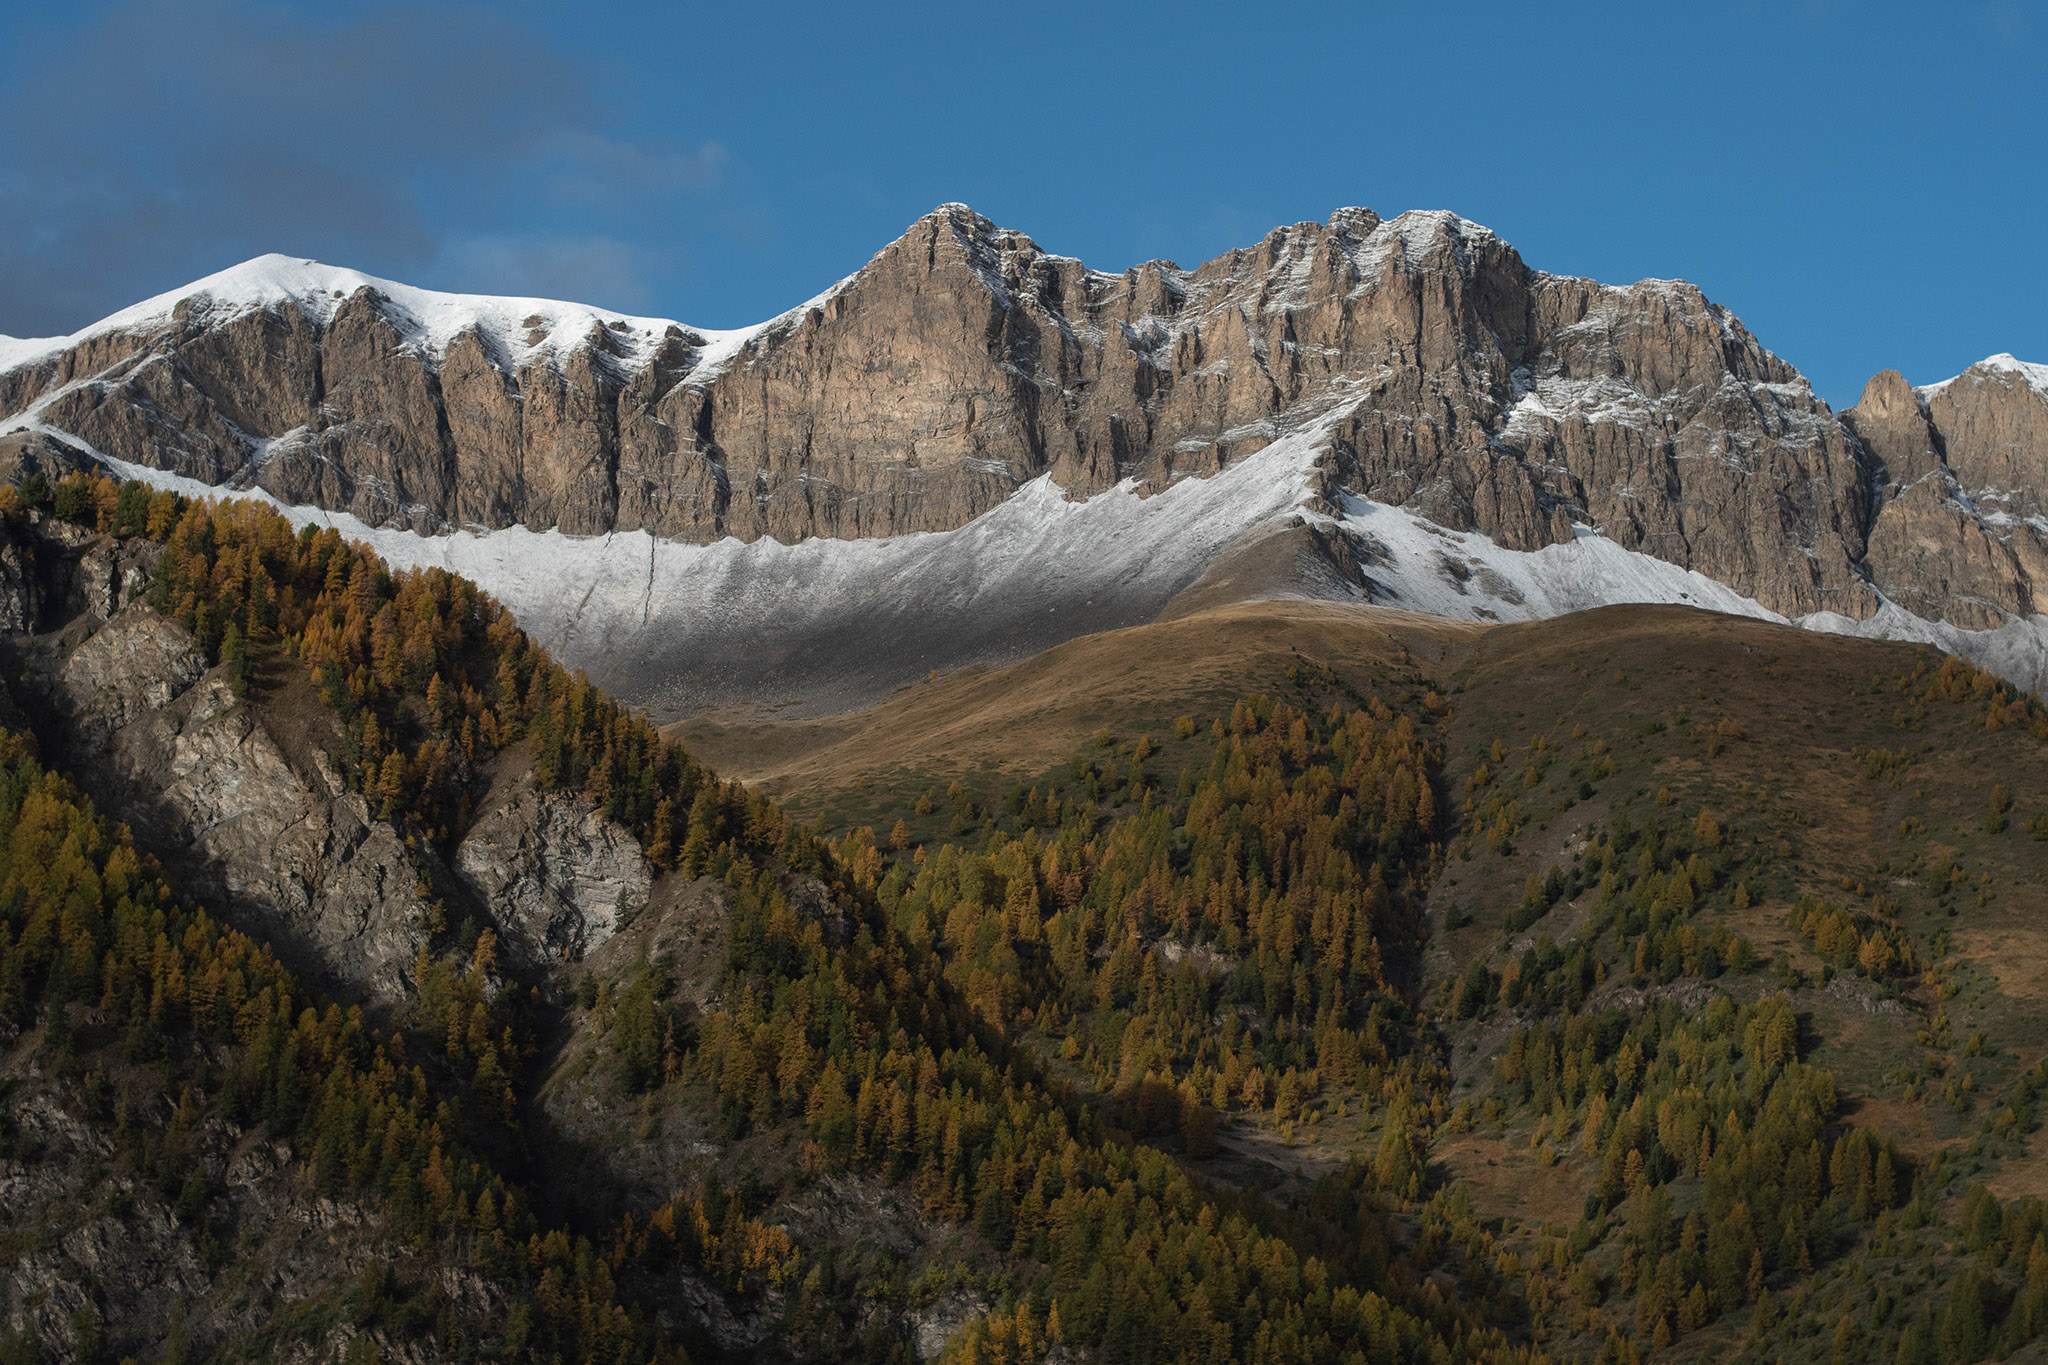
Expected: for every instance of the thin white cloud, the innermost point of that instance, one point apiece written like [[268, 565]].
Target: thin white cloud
[[590, 168], [597, 270]]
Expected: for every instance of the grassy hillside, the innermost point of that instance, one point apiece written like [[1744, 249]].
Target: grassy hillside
[[1868, 812], [1857, 828], [1018, 721], [1283, 982]]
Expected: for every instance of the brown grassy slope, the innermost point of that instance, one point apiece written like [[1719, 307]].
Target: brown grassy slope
[[1028, 717], [1770, 730], [1650, 682], [1654, 685], [1805, 710]]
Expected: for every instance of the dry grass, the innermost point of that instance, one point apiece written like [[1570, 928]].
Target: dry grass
[[1034, 715], [1508, 1180], [1650, 682], [2016, 956], [2024, 1176], [1907, 1123], [1250, 1154]]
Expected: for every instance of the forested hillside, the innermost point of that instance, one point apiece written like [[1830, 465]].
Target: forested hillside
[[1637, 988]]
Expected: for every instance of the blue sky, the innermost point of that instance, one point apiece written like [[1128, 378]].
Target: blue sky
[[1863, 183]]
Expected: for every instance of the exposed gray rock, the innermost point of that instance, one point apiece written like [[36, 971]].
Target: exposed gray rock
[[556, 875], [933, 1324], [963, 361], [271, 829], [24, 454], [137, 667], [197, 771], [87, 1247], [21, 597], [1930, 553], [1891, 421], [1993, 423]]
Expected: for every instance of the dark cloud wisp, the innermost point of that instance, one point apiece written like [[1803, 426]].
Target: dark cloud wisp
[[444, 146]]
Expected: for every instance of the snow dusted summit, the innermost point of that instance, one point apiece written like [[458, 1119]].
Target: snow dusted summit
[[972, 449]]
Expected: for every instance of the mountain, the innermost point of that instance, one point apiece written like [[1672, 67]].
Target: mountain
[[1960, 464], [972, 449], [1282, 981]]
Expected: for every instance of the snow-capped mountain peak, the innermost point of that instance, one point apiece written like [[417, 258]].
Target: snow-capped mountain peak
[[915, 435]]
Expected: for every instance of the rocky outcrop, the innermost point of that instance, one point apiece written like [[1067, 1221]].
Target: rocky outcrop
[[252, 813], [557, 876], [1933, 556], [97, 1254], [32, 454], [21, 598], [297, 855], [1527, 404], [1891, 421], [964, 361], [52, 571], [1993, 423], [1961, 470]]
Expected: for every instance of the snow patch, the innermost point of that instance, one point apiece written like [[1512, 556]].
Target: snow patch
[[2032, 375], [1464, 575], [517, 332], [835, 623], [638, 611]]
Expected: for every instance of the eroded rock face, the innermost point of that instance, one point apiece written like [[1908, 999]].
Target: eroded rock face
[[963, 361], [199, 771], [1961, 470], [269, 829], [1529, 403], [1891, 421], [125, 674], [1993, 420], [53, 571], [21, 598], [556, 875], [109, 1254], [333, 886], [1934, 557]]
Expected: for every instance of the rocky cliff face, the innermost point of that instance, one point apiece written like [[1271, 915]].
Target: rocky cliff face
[[1439, 372], [244, 802], [100, 1257], [195, 770], [560, 877], [1961, 469]]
